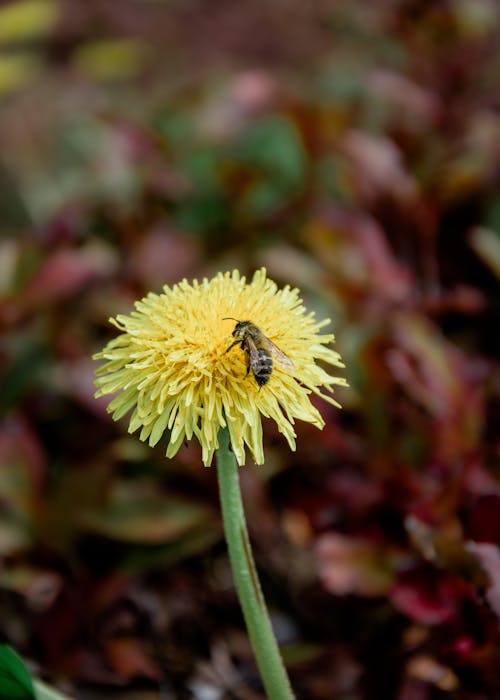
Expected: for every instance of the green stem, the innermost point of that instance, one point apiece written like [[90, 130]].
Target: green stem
[[252, 602]]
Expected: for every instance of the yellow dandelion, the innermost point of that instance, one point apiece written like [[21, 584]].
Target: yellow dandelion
[[172, 368]]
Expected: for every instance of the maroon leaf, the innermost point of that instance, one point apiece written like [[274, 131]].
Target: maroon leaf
[[484, 521], [427, 596]]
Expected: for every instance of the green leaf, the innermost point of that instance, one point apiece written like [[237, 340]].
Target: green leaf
[[136, 514], [274, 146], [204, 212], [24, 373], [15, 679], [46, 692], [15, 213]]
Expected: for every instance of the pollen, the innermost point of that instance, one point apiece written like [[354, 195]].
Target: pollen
[[169, 368]]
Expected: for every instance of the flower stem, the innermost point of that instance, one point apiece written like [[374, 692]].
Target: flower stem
[[252, 602]]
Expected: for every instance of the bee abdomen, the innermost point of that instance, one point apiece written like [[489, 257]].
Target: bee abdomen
[[264, 368]]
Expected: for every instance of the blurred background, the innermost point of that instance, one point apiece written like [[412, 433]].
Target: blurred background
[[351, 148]]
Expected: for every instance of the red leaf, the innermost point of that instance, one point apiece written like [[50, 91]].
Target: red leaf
[[65, 273], [427, 596], [129, 659], [484, 523]]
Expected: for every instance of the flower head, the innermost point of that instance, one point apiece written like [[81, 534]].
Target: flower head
[[172, 367]]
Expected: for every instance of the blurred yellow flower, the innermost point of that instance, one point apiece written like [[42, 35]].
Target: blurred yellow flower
[[170, 364]]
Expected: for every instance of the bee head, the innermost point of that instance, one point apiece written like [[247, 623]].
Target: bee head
[[239, 327]]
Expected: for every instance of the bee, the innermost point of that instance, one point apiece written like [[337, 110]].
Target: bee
[[261, 352]]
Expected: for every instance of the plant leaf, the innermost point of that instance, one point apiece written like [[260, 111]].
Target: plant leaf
[[15, 679]]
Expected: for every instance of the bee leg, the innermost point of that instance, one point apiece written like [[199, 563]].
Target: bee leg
[[231, 346]]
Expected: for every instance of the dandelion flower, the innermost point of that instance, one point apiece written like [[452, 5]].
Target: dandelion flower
[[170, 367]]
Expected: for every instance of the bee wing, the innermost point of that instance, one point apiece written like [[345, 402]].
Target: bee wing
[[253, 355], [279, 357]]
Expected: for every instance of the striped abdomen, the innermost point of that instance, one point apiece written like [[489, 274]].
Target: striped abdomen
[[262, 367]]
